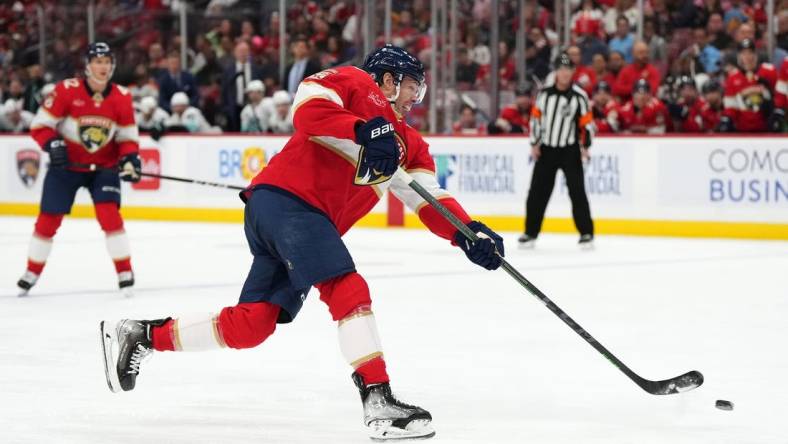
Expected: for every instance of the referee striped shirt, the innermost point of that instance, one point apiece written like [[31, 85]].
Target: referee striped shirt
[[561, 118]]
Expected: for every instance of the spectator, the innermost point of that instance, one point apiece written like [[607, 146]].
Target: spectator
[[537, 53], [151, 117], [16, 90], [623, 8], [157, 64], [61, 65], [14, 118], [605, 109], [514, 118], [656, 44], [590, 46], [735, 13], [466, 124], [281, 120], [588, 20], [712, 93], [600, 66], [639, 69], [143, 85], [615, 64], [185, 118], [584, 76], [623, 39], [644, 113], [715, 28], [302, 67], [692, 112], [175, 79], [255, 116], [32, 94], [207, 70], [467, 69], [234, 81], [707, 55]]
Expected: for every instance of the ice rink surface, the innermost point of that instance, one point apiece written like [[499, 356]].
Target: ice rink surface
[[487, 359]]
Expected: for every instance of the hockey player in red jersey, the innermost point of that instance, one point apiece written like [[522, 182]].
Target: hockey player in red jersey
[[84, 122], [644, 113], [350, 138], [692, 112], [605, 109], [749, 94], [780, 98]]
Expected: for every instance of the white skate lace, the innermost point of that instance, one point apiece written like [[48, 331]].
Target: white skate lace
[[138, 357]]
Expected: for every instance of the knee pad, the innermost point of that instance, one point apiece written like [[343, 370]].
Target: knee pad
[[47, 225], [247, 325], [344, 294], [108, 216]]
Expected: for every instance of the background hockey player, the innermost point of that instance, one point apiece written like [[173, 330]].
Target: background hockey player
[[605, 109], [749, 95], [151, 117], [644, 113], [88, 121], [349, 141], [280, 121], [691, 112], [255, 115], [186, 118]]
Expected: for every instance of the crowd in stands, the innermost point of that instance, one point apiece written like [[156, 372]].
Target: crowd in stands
[[685, 75]]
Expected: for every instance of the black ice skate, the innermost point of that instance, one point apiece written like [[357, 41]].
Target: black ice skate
[[586, 242], [126, 283], [26, 282], [124, 345], [389, 419], [526, 242]]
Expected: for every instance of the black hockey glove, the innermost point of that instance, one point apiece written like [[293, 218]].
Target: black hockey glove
[[156, 132], [379, 156], [58, 152], [776, 121], [130, 168], [487, 251], [726, 125]]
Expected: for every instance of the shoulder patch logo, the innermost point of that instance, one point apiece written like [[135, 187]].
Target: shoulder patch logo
[[377, 100]]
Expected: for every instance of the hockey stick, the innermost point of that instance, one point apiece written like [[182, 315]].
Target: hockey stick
[[94, 167], [679, 384]]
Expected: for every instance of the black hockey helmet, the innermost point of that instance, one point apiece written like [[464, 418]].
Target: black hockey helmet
[[641, 85], [711, 85], [400, 63], [603, 85], [746, 44], [686, 81], [98, 49], [563, 61]]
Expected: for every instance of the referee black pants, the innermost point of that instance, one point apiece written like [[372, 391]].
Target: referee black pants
[[569, 161]]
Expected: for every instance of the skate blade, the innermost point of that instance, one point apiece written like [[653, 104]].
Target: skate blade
[[107, 338], [587, 246], [127, 292], [22, 292], [415, 430], [526, 245]]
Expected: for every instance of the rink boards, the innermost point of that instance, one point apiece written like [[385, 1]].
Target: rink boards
[[679, 186]]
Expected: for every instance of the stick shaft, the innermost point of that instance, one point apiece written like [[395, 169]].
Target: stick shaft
[[94, 167], [511, 271]]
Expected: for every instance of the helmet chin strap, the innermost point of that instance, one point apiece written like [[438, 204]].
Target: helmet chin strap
[[393, 98]]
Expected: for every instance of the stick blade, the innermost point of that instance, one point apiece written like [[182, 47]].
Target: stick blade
[[679, 384]]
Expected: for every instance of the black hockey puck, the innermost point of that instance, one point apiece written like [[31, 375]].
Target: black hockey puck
[[723, 404]]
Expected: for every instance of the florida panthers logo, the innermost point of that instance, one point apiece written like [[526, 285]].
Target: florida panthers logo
[[369, 176], [94, 132], [28, 162]]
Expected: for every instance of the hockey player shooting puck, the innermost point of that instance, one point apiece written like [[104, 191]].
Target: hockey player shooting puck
[[723, 404]]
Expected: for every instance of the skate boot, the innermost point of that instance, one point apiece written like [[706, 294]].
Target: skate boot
[[26, 282], [389, 419], [126, 283], [526, 242], [586, 242], [124, 345]]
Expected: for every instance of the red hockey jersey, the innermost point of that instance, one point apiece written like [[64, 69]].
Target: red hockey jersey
[[318, 163], [745, 96], [781, 90], [98, 128], [512, 114], [701, 118], [651, 119], [606, 119]]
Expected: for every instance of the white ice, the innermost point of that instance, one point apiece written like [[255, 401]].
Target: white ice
[[488, 360]]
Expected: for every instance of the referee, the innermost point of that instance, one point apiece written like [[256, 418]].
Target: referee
[[561, 130]]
